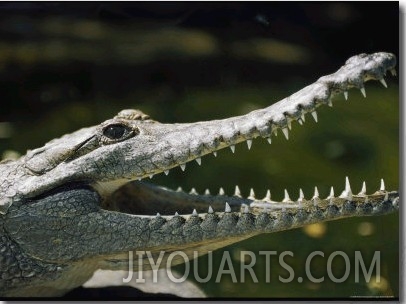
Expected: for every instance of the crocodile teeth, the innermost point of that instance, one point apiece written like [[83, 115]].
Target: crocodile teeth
[[237, 191], [249, 143], [330, 103], [393, 72], [207, 192], [363, 189], [194, 213], [158, 214], [176, 213], [210, 211], [331, 195], [221, 191], [215, 153], [166, 172], [382, 185], [286, 133], [346, 95], [347, 193], [227, 208], [289, 124], [151, 176], [300, 121], [314, 114], [383, 82], [252, 194], [199, 161], [303, 117], [269, 140], [364, 93], [183, 167], [179, 189], [286, 198], [301, 195], [246, 210], [232, 147], [267, 196], [315, 197], [193, 191]]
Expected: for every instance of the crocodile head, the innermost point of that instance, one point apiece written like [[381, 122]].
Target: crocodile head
[[132, 147], [114, 158]]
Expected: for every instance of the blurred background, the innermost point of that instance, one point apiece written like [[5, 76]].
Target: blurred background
[[64, 66]]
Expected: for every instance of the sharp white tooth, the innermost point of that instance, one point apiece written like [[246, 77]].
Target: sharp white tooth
[[289, 124], [252, 194], [300, 121], [364, 93], [314, 114], [232, 147], [386, 197], [346, 95], [330, 103], [347, 184], [286, 198], [237, 191], [269, 140], [383, 82], [331, 193], [315, 197], [382, 185], [228, 208], [151, 176], [183, 167], [179, 189], [347, 193], [285, 132], [166, 172], [207, 192], [363, 189], [267, 196], [199, 161], [221, 191], [249, 143], [275, 132], [303, 117], [393, 72], [194, 213], [193, 191], [215, 153], [316, 193], [246, 210], [210, 211], [301, 195], [176, 213], [158, 215]]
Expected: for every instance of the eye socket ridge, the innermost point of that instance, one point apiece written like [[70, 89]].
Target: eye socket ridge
[[117, 132]]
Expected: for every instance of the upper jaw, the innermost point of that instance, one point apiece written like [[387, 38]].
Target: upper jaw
[[161, 147]]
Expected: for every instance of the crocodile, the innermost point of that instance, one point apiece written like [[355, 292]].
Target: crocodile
[[83, 201]]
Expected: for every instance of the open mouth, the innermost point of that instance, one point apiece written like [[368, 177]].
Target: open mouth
[[144, 199]]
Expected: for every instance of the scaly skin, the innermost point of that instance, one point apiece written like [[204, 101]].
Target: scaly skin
[[62, 218]]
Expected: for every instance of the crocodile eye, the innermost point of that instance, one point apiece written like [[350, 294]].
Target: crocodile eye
[[114, 131], [117, 132]]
